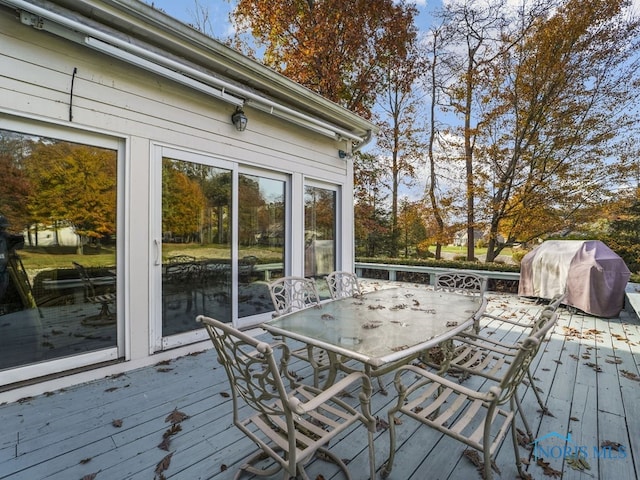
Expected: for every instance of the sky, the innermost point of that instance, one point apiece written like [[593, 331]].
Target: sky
[[219, 23], [184, 10]]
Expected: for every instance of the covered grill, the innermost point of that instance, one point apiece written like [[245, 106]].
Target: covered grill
[[591, 275]]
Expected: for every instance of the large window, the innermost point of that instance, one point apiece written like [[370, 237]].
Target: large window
[[58, 207]]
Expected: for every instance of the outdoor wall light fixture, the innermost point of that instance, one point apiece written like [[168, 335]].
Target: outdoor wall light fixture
[[343, 154], [239, 119]]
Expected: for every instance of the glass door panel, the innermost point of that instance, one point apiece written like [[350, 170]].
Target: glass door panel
[[319, 231], [261, 239], [196, 244], [58, 275]]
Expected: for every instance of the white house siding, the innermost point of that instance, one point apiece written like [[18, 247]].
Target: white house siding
[[144, 111]]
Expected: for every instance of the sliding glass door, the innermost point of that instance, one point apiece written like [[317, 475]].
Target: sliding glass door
[[59, 302], [220, 237]]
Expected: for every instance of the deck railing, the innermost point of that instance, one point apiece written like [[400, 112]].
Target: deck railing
[[422, 274]]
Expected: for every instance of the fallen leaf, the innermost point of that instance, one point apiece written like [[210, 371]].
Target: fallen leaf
[[577, 462], [117, 423], [595, 367], [613, 445], [112, 389], [165, 443], [630, 375], [163, 464], [85, 460], [381, 424], [175, 428], [547, 469], [176, 416], [90, 476]]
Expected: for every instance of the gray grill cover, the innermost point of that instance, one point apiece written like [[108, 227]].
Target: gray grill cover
[[590, 273]]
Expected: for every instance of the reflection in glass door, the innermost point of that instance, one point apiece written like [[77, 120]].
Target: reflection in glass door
[[319, 231], [58, 230], [196, 244], [261, 241]]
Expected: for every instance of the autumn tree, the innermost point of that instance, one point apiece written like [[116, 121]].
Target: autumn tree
[[400, 138], [335, 48], [559, 103], [437, 79], [371, 215], [476, 27], [411, 226], [623, 235]]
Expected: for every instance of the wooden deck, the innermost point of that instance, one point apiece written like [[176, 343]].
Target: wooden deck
[[588, 372]]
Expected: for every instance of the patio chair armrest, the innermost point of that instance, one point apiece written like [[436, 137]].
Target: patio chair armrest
[[508, 349], [507, 320], [323, 396], [445, 382]]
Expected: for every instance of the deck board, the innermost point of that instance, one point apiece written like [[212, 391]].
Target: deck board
[[50, 436]]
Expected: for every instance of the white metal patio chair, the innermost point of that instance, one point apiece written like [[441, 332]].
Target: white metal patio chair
[[474, 355], [464, 283], [288, 424], [343, 284], [296, 293], [461, 282], [479, 419]]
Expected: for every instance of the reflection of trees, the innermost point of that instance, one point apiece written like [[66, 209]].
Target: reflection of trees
[[195, 202], [182, 203], [319, 212], [250, 208], [15, 186], [261, 219], [73, 184], [217, 190]]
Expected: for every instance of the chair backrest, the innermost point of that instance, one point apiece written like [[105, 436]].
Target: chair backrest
[[181, 259], [182, 273], [556, 301], [343, 284], [293, 293], [251, 367], [527, 351], [89, 288], [461, 282]]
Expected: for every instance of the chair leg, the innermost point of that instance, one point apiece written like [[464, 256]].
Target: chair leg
[[527, 428], [248, 467], [388, 464], [514, 437], [535, 390]]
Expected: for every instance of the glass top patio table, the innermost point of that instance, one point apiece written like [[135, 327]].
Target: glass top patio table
[[383, 326]]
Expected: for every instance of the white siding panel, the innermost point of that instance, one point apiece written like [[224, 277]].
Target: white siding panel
[[112, 95]]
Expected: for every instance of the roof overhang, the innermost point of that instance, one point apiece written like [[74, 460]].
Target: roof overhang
[[136, 33]]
